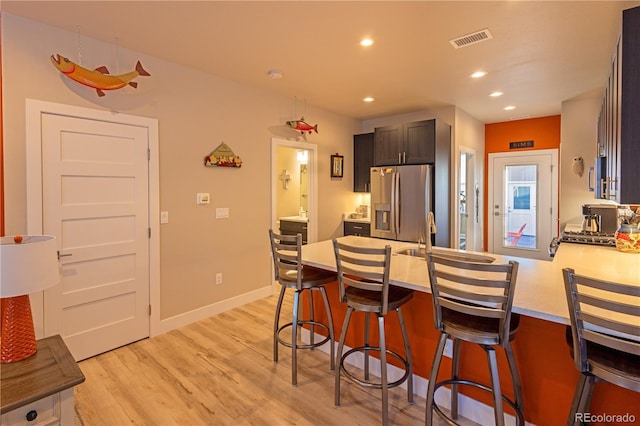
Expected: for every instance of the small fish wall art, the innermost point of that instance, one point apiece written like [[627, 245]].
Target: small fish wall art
[[222, 156], [98, 79], [302, 126]]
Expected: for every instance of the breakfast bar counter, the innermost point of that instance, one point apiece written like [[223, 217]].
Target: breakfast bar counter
[[543, 356], [539, 289]]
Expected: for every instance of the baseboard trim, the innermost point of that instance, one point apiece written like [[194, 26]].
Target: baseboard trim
[[195, 315]]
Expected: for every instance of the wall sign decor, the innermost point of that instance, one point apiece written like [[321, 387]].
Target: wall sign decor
[[98, 79], [521, 144], [222, 156], [337, 163], [302, 126]]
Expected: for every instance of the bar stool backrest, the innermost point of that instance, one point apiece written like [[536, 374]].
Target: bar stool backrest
[[593, 306], [477, 289], [286, 251], [364, 268]]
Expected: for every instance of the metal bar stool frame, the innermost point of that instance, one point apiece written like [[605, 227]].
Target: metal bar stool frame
[[603, 348], [363, 279], [472, 303], [286, 251]]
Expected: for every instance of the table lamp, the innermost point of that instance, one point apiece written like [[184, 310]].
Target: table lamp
[[27, 264]]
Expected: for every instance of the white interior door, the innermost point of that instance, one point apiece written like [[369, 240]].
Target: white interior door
[[95, 187], [523, 203]]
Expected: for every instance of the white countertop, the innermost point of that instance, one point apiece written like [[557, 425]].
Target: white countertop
[[346, 217], [539, 287], [304, 219], [360, 220]]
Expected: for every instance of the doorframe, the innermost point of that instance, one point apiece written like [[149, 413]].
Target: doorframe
[[34, 110], [471, 182], [312, 224], [554, 187]]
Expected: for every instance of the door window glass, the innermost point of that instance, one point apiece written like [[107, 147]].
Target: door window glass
[[520, 206]]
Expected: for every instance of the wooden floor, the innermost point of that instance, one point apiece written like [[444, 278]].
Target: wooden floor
[[220, 371]]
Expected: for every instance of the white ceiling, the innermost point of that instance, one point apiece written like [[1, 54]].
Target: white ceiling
[[541, 53]]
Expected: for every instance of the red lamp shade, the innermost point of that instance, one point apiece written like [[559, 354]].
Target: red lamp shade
[[28, 264]]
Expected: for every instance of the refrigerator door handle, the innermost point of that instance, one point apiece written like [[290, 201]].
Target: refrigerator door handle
[[395, 196]]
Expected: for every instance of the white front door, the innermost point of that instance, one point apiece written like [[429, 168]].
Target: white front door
[[523, 203], [95, 200]]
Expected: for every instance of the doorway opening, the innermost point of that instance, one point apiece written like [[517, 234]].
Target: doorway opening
[[294, 184]]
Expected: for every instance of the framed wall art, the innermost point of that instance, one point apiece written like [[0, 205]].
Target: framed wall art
[[337, 163]]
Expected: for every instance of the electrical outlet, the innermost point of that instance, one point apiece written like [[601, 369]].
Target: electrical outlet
[[219, 278], [448, 348]]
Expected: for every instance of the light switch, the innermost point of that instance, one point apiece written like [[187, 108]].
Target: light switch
[[222, 213], [202, 198], [164, 217]]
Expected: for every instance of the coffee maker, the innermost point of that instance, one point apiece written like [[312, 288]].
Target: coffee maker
[[600, 218]]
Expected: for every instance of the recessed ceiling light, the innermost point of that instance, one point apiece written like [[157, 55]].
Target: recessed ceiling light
[[274, 74], [366, 42], [495, 94], [368, 99], [509, 108], [478, 74]]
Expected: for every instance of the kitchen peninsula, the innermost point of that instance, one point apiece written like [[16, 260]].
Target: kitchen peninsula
[[543, 356]]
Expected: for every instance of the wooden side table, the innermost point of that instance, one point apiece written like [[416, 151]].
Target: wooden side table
[[39, 389]]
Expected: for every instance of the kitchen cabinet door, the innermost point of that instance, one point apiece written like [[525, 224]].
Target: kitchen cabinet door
[[362, 161], [388, 145], [290, 227], [420, 140], [410, 143], [628, 149], [618, 130]]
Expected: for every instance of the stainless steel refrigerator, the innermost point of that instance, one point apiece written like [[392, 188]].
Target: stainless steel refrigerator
[[401, 197]]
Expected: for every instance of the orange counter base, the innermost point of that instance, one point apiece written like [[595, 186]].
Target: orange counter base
[[544, 361]]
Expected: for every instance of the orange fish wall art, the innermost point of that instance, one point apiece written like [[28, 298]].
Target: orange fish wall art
[[98, 79], [302, 126]]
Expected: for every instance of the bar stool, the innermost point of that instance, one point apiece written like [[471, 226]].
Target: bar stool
[[363, 279], [605, 348], [472, 303], [286, 251]]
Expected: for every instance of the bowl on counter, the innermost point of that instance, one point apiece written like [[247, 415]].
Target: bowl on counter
[[628, 238]]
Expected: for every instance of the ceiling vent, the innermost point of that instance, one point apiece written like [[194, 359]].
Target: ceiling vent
[[470, 39]]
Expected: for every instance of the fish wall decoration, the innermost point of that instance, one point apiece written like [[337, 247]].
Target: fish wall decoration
[[302, 126], [98, 79]]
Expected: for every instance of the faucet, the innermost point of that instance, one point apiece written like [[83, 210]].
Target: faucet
[[431, 229]]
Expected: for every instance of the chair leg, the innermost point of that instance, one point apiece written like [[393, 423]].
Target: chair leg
[[366, 344], [433, 377], [383, 371], [581, 399], [332, 337], [495, 385], [577, 397], [517, 386], [455, 370], [312, 330], [407, 351], [294, 338], [276, 323], [343, 335]]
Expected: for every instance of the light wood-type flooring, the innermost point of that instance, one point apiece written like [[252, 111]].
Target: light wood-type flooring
[[220, 371]]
